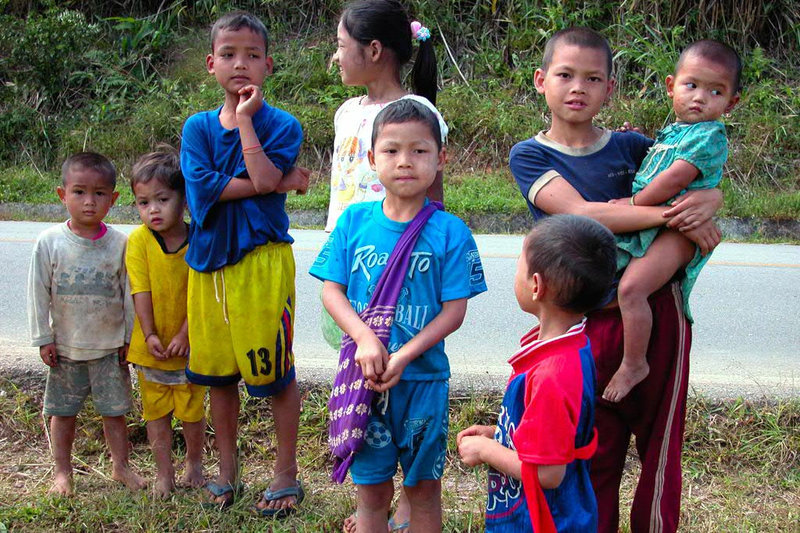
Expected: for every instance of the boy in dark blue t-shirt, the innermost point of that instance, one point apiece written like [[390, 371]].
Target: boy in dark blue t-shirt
[[237, 161]]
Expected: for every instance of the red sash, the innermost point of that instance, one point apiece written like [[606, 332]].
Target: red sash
[[541, 519]]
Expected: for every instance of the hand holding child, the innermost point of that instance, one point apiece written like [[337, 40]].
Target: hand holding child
[[250, 101], [48, 354], [694, 208]]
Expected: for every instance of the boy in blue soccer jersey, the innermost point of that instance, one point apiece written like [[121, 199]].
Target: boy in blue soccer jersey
[[444, 271], [539, 451], [237, 162]]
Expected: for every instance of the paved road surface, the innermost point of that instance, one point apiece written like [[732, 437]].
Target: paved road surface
[[746, 302]]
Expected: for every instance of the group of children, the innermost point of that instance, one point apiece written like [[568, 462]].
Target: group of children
[[214, 301]]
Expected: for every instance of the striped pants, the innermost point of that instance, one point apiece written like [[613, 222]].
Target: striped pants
[[654, 412]]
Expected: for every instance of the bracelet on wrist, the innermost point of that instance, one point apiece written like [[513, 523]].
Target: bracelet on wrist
[[632, 201], [149, 335]]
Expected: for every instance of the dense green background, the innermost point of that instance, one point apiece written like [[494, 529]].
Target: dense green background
[[120, 77]]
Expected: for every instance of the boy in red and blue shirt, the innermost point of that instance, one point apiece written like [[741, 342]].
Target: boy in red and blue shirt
[[539, 451]]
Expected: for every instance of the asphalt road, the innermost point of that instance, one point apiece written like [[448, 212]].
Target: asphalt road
[[746, 303]]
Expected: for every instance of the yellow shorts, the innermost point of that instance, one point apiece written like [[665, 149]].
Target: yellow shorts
[[186, 401], [241, 322]]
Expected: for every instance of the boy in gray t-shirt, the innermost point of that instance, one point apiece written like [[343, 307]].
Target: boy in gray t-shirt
[[80, 316]]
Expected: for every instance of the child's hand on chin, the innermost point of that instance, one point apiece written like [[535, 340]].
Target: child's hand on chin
[[250, 100]]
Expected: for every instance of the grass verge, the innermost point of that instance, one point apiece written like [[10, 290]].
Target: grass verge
[[741, 470]]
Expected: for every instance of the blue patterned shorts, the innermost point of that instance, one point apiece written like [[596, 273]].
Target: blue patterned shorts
[[413, 432]]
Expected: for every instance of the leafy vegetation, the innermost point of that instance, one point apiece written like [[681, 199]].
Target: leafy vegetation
[[120, 77]]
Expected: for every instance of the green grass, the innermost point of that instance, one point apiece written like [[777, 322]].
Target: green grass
[[741, 470]]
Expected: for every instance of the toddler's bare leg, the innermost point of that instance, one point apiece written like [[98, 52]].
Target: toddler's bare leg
[[194, 434], [286, 412], [426, 505], [116, 433], [373, 506], [669, 252], [225, 417], [62, 435], [159, 433]]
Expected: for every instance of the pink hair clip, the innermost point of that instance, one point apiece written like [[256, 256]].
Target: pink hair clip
[[420, 32]]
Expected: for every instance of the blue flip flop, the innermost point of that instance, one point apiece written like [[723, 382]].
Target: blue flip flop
[[218, 491], [272, 495]]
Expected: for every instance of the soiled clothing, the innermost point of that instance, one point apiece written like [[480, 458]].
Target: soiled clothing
[[166, 277], [70, 382], [78, 294], [241, 322], [352, 179]]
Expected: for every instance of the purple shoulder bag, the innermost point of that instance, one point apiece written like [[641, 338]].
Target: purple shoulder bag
[[351, 400]]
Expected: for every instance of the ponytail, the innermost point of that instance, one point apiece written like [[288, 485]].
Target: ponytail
[[382, 20], [424, 75]]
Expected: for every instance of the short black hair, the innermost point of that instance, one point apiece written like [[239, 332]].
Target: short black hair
[[90, 161], [235, 21], [162, 165], [578, 36], [577, 258], [716, 52], [407, 110]]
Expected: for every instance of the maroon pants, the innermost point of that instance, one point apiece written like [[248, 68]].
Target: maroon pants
[[654, 412]]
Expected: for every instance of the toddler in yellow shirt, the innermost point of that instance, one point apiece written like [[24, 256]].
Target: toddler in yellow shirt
[[160, 344]]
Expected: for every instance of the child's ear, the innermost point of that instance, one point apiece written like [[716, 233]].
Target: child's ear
[[612, 82], [442, 159], [210, 63], [371, 157], [538, 80], [62, 193], [537, 287], [732, 103], [114, 196], [374, 50], [670, 82], [269, 63]]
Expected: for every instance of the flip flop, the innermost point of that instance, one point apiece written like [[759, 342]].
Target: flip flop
[[272, 495], [219, 491], [393, 526]]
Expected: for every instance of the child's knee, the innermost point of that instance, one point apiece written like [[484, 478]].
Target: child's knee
[[377, 496], [630, 292]]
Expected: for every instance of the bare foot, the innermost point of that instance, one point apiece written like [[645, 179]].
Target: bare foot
[[192, 476], [163, 486], [129, 478], [279, 483], [349, 524], [62, 484], [627, 376], [397, 523]]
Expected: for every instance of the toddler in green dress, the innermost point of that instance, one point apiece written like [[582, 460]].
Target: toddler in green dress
[[687, 155]]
